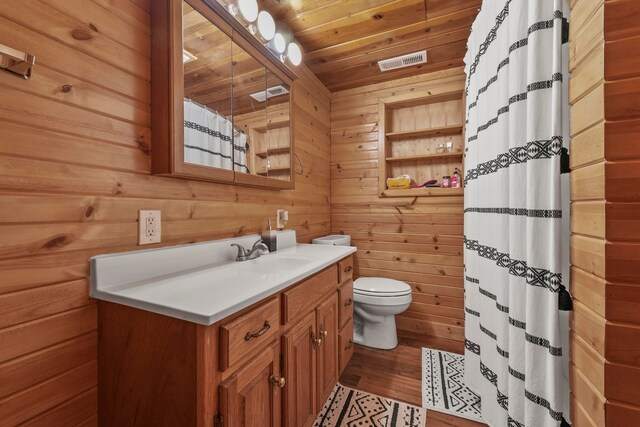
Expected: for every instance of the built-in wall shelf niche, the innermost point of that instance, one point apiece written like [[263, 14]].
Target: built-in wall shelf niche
[[269, 149], [412, 140]]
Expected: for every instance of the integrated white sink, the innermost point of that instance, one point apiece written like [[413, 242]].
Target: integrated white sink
[[202, 282]]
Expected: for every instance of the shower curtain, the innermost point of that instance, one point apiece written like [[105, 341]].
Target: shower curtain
[[517, 125], [211, 140]]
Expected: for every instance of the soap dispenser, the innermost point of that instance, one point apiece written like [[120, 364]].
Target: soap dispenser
[[269, 238]]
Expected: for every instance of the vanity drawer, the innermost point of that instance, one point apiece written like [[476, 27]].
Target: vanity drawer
[[249, 332], [345, 269], [345, 301], [345, 345], [301, 298]]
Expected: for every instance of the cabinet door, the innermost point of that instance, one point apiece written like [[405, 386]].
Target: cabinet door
[[300, 367], [327, 371], [251, 396]]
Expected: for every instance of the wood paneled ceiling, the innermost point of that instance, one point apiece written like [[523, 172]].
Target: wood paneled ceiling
[[342, 40]]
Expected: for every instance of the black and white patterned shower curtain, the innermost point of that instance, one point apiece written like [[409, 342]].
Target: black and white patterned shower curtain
[[516, 121]]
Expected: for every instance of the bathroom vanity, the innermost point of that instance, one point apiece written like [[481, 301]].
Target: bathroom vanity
[[253, 343]]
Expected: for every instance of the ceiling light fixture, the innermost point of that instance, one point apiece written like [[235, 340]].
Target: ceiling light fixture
[[279, 43], [294, 53], [245, 11], [266, 26], [263, 27]]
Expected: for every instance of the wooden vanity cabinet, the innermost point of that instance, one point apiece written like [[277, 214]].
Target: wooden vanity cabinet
[[310, 347], [252, 395], [299, 356], [327, 358], [346, 305], [271, 364]]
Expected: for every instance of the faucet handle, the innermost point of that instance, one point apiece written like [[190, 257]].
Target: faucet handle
[[242, 252], [257, 242]]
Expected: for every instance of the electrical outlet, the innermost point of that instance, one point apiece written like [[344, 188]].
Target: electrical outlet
[[149, 227], [279, 222]]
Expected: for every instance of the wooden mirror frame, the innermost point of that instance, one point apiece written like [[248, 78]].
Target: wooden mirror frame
[[167, 92]]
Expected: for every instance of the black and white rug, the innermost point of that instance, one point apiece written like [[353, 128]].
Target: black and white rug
[[443, 386], [347, 407]]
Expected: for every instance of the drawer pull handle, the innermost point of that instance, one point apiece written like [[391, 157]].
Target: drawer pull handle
[[348, 302], [349, 345], [316, 341], [260, 332], [348, 269], [277, 381], [323, 333]]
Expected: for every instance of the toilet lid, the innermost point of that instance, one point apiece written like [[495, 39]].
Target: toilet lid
[[380, 286]]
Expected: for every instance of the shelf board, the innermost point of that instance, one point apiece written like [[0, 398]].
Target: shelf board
[[425, 133], [425, 157], [274, 151], [273, 125], [274, 170], [422, 191]]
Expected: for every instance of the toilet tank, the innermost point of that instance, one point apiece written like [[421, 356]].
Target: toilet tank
[[335, 240]]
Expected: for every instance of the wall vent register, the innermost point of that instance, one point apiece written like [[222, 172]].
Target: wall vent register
[[403, 61], [263, 95]]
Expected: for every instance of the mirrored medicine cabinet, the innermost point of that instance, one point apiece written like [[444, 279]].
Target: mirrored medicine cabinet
[[221, 101]]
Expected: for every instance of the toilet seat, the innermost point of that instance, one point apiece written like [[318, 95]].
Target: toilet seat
[[380, 287]]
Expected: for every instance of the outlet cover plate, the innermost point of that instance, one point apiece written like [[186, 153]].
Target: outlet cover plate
[[149, 227]]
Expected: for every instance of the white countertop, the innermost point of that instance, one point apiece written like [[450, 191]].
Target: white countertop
[[206, 293]]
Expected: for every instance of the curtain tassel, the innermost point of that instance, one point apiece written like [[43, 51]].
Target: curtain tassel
[[564, 299]]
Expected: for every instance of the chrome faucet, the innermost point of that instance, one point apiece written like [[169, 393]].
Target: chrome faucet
[[256, 250]]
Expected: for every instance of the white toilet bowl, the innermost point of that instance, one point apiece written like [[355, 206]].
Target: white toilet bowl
[[377, 301]]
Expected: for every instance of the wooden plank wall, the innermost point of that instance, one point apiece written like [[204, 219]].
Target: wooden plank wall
[[74, 170], [622, 211], [414, 239], [605, 157], [587, 213]]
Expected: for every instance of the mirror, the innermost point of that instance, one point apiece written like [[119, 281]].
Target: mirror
[[208, 71], [278, 159], [263, 117], [220, 100], [249, 80]]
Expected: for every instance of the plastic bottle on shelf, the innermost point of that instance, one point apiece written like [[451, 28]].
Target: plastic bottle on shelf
[[455, 178]]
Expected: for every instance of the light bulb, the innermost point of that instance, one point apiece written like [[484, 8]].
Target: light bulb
[[245, 11], [279, 43], [266, 26], [248, 9], [294, 53]]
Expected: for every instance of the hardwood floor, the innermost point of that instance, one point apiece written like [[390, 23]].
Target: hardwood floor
[[396, 374]]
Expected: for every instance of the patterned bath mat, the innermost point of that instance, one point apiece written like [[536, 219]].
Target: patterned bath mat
[[443, 388], [347, 407]]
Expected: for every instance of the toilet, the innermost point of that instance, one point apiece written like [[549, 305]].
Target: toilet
[[377, 301]]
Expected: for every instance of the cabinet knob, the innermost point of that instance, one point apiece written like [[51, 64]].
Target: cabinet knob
[[324, 333], [277, 381], [348, 302], [263, 330], [349, 345], [316, 341], [348, 269]]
